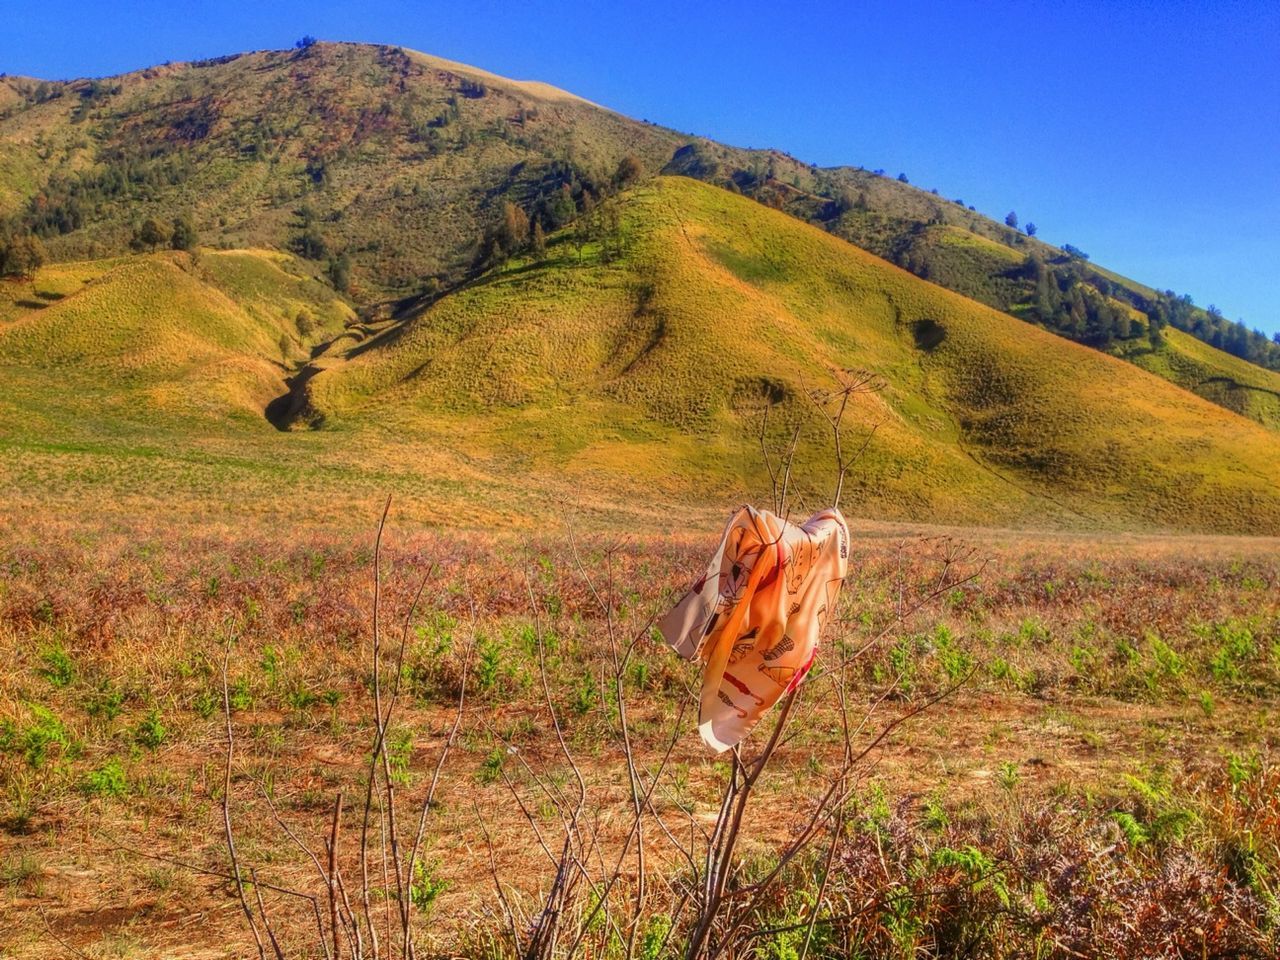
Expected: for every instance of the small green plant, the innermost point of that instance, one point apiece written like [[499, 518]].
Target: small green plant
[[57, 666], [107, 780], [240, 696], [639, 674], [488, 665], [1243, 768], [876, 810], [1083, 658], [271, 665], [902, 665], [1157, 817], [205, 703], [934, 815], [1033, 631], [1040, 899], [979, 867], [1207, 705], [585, 695], [1235, 647], [1135, 834], [1004, 671], [299, 697], [655, 936], [1007, 776], [491, 766], [151, 732], [1168, 664], [399, 752], [426, 885], [955, 661], [105, 701], [1126, 653], [35, 740]]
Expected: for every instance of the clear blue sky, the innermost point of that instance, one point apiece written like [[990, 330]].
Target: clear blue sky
[[1148, 134]]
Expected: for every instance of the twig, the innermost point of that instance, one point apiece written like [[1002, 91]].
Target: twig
[[226, 808]]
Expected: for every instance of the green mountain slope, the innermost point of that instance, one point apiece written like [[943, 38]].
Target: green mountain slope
[[390, 165], [1218, 377], [160, 336], [626, 374], [654, 360]]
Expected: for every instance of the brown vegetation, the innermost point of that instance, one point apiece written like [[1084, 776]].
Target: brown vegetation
[[1102, 784]]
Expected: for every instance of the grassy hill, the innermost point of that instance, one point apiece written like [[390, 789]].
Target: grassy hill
[[193, 337], [626, 375], [654, 361], [395, 163], [1219, 377]]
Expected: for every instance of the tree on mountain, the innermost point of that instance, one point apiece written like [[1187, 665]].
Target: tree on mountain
[[607, 227], [21, 256], [183, 235], [151, 234], [562, 208], [504, 239], [306, 43], [513, 232], [629, 171], [310, 243], [1122, 324], [340, 273], [538, 243], [902, 178], [1011, 220], [1031, 229], [584, 228]]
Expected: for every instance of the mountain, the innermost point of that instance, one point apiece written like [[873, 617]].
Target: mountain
[[417, 277], [389, 166], [632, 366]]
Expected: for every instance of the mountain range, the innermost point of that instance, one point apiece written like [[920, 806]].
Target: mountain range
[[348, 264]]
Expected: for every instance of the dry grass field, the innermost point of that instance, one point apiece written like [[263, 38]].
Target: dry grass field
[[1101, 780]]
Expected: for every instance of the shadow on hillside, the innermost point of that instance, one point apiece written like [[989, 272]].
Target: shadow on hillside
[[283, 411], [928, 334]]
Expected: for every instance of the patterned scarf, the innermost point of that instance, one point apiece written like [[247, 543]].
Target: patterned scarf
[[755, 616]]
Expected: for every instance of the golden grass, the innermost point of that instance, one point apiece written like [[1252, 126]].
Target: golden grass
[[1097, 658], [718, 299], [1219, 377]]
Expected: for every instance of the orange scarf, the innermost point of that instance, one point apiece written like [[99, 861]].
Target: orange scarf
[[755, 617]]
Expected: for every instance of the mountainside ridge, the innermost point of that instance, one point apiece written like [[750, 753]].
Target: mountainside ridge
[[618, 331], [637, 364], [396, 163]]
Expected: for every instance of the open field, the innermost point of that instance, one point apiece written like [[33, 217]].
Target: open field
[[1104, 780]]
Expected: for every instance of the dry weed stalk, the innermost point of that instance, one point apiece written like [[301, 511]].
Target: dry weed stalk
[[344, 929], [715, 907]]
